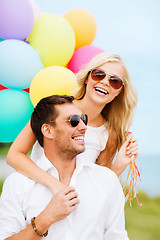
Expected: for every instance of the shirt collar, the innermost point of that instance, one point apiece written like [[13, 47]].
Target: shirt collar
[[46, 165]]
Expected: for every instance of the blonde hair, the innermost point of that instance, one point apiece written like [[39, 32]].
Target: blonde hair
[[119, 112]]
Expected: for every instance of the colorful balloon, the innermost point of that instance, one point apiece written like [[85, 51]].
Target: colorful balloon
[[82, 56], [54, 38], [52, 80], [35, 8], [16, 19], [19, 64], [83, 24], [2, 87], [15, 112]]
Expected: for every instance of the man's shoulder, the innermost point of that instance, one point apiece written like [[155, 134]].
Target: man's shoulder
[[104, 170], [18, 182], [104, 173]]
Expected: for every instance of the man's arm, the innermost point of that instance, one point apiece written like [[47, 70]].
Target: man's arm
[[115, 219], [12, 221]]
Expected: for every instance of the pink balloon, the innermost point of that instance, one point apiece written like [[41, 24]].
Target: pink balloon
[[82, 56], [35, 8]]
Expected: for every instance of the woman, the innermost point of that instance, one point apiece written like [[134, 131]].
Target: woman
[[108, 97]]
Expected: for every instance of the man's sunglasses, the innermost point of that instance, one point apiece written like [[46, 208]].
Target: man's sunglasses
[[75, 119], [114, 81]]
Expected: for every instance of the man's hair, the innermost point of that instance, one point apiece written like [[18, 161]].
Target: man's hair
[[45, 112]]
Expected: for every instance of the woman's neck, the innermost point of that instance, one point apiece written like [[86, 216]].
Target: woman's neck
[[93, 111]]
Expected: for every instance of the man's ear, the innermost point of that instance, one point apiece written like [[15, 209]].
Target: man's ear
[[47, 131]]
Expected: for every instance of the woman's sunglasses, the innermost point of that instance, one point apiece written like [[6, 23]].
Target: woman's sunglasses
[[75, 119], [114, 81]]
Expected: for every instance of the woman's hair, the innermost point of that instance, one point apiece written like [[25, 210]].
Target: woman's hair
[[119, 112]]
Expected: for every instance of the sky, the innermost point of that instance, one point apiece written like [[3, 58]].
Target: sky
[[131, 29]]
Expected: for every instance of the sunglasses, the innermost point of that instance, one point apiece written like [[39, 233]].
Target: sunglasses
[[75, 119], [114, 81]]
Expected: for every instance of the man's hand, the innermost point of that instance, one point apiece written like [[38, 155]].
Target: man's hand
[[61, 205]]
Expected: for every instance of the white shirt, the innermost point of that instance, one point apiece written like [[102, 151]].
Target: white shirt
[[95, 142], [99, 215]]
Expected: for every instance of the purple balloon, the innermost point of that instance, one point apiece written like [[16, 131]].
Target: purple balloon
[[16, 19]]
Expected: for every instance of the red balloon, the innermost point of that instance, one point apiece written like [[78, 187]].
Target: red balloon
[[26, 90], [2, 87]]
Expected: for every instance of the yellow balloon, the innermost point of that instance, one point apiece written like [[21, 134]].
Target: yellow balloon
[[54, 39], [83, 24], [52, 80]]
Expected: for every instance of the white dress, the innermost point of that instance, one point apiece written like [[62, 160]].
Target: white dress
[[95, 142]]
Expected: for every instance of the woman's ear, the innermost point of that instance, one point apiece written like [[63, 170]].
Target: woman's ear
[[47, 130], [118, 92], [86, 81]]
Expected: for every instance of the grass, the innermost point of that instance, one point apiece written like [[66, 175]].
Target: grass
[[142, 223], [4, 147]]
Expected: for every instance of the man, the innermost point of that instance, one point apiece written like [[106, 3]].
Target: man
[[29, 211]]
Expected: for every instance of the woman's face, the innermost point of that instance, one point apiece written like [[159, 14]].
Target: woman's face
[[101, 92]]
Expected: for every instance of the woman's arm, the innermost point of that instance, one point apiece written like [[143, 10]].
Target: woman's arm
[[18, 159], [123, 158], [107, 155]]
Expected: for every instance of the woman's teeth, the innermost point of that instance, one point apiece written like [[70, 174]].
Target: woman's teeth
[[101, 90]]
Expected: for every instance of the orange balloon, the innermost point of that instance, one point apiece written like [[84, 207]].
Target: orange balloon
[[83, 24]]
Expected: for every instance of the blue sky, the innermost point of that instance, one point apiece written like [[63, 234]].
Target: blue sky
[[131, 29]]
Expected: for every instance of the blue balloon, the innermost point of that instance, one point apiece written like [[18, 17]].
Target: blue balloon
[[1, 39], [15, 111], [19, 63]]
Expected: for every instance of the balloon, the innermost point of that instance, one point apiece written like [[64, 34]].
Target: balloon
[[83, 24], [26, 90], [1, 39], [52, 80], [54, 38], [2, 87], [82, 56], [15, 112], [16, 19], [19, 64], [35, 8]]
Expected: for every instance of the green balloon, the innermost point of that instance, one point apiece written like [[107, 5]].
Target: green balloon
[[15, 111]]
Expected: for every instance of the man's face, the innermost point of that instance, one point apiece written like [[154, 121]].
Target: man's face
[[68, 140]]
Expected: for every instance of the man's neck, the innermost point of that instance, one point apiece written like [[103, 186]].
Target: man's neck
[[64, 166]]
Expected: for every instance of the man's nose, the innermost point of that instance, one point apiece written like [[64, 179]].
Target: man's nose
[[82, 125]]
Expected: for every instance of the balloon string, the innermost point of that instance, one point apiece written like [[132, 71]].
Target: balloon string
[[133, 175]]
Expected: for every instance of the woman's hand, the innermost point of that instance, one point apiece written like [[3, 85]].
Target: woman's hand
[[123, 159], [55, 185]]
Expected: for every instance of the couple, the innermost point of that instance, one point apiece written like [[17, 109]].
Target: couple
[[95, 210], [108, 97]]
